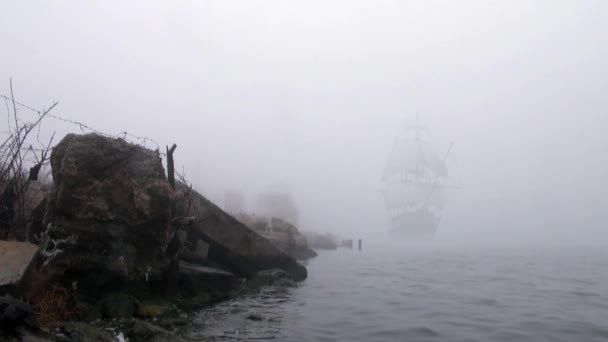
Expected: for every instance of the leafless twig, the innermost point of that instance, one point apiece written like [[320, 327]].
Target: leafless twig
[[15, 195]]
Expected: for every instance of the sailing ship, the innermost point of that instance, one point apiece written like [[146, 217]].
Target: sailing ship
[[415, 177]]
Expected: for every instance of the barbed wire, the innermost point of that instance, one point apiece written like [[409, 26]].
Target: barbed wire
[[29, 148], [142, 141]]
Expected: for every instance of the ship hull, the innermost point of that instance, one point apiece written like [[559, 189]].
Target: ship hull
[[420, 224]]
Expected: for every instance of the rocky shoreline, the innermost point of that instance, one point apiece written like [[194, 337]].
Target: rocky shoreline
[[124, 253]]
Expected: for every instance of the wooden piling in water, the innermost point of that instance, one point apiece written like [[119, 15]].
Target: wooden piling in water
[[359, 244]]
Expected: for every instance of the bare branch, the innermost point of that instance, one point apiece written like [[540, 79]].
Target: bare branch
[[13, 100]]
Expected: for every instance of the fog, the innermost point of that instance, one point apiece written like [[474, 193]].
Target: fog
[[307, 96]]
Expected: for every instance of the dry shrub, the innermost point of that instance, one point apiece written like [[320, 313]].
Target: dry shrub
[[184, 195], [52, 304], [22, 157]]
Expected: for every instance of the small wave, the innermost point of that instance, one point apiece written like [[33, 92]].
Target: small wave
[[488, 302], [584, 294], [422, 332], [384, 300]]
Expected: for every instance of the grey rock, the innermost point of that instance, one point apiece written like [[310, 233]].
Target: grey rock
[[281, 233], [201, 249], [14, 260], [142, 331], [14, 315], [108, 217], [321, 241], [157, 309], [182, 220], [83, 332], [26, 336], [274, 277], [234, 245], [287, 237], [205, 285], [118, 305], [29, 337]]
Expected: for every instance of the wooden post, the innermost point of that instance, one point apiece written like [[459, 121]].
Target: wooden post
[[171, 286], [359, 244], [172, 275], [170, 167]]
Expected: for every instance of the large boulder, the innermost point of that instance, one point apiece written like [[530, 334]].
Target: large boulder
[[108, 216], [235, 246]]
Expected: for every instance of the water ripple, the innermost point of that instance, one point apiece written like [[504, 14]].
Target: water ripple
[[425, 295]]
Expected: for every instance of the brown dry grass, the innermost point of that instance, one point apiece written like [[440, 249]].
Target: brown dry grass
[[52, 304]]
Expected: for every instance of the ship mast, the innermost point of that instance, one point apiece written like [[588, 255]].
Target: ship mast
[[418, 128]]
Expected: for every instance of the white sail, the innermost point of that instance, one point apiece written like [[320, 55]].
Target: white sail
[[412, 195], [414, 157], [415, 172]]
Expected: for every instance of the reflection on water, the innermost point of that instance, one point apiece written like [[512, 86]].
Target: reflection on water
[[427, 294]]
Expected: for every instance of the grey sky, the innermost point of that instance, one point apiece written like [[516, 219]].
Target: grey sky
[[309, 94]]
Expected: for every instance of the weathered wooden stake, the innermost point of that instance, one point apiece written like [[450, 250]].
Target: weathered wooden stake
[[171, 286], [170, 167], [359, 244]]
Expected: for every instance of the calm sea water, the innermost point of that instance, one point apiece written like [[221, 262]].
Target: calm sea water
[[428, 293]]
